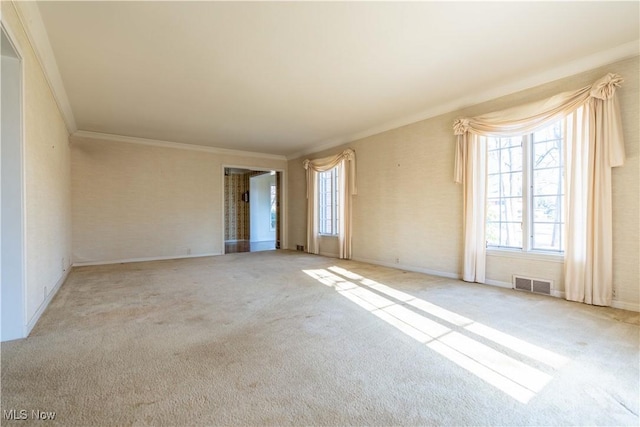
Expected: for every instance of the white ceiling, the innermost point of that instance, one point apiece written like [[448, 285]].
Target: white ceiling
[[283, 78]]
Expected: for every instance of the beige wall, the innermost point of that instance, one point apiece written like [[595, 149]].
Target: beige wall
[[408, 211], [47, 179], [134, 201]]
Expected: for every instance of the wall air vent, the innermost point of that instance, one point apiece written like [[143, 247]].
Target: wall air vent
[[538, 286]]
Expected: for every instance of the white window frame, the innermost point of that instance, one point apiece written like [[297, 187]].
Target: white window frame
[[331, 176], [527, 250]]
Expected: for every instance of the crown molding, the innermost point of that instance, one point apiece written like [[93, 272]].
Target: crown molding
[[31, 21], [618, 53], [168, 144]]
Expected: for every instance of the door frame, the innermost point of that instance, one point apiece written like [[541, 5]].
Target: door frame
[[21, 312], [283, 200]]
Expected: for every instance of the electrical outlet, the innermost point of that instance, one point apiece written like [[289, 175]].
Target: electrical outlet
[[613, 292], [397, 260]]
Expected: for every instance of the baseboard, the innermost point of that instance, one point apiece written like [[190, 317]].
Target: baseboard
[[410, 268], [498, 283], [145, 259], [328, 255], [625, 306], [45, 303], [561, 294]]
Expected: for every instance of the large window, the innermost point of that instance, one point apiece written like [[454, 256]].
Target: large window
[[328, 196], [525, 191]]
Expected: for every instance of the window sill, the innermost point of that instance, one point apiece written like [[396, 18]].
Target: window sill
[[532, 256], [328, 235]]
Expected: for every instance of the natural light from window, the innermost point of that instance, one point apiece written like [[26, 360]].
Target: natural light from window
[[272, 211], [328, 197], [449, 334], [525, 191]]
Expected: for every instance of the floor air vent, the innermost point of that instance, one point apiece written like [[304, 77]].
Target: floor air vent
[[539, 286]]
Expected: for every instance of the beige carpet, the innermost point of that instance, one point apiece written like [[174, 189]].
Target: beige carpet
[[273, 338]]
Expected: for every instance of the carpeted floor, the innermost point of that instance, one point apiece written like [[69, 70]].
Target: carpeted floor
[[275, 338]]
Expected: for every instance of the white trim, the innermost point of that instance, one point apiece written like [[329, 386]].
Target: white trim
[[23, 192], [34, 319], [497, 283], [590, 62], [328, 254], [561, 295], [145, 259], [4, 26], [409, 268], [625, 306], [169, 144], [36, 32]]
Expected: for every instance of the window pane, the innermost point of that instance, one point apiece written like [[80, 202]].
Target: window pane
[[547, 209], [327, 201], [511, 184], [547, 182], [504, 191], [493, 186], [507, 175], [547, 154], [493, 161], [515, 141], [512, 209], [547, 236], [512, 159], [493, 143], [511, 235], [493, 234], [547, 226], [493, 210]]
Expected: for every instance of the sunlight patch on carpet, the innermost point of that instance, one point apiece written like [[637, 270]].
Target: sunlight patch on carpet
[[535, 352], [513, 377]]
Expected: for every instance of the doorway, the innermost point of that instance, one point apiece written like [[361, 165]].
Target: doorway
[[11, 194], [252, 219]]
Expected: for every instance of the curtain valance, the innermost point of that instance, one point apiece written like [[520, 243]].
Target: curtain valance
[[326, 163], [529, 117], [533, 116]]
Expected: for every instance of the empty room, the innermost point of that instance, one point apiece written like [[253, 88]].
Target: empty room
[[320, 213]]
